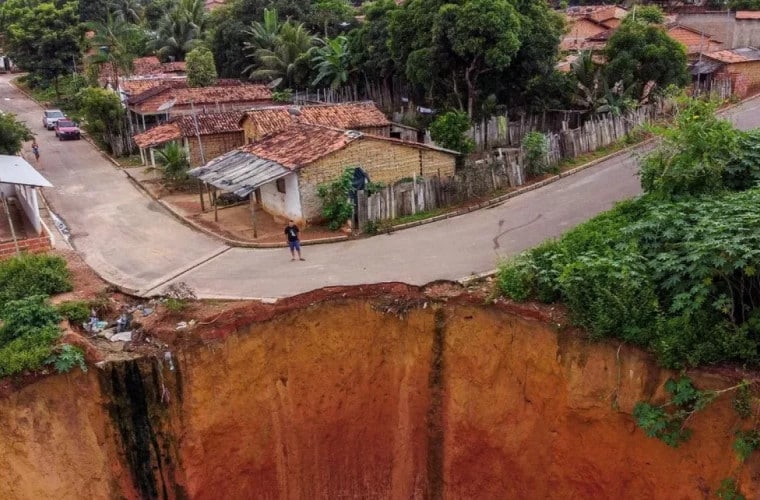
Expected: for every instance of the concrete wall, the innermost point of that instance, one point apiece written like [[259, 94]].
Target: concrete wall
[[27, 198], [384, 161], [286, 205], [725, 28]]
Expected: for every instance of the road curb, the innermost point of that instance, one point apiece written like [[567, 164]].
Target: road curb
[[517, 192]]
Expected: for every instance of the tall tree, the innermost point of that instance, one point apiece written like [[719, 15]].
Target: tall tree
[[330, 17], [12, 134], [44, 39], [263, 35], [116, 43], [229, 23], [368, 43], [180, 30], [640, 52], [289, 59], [201, 71]]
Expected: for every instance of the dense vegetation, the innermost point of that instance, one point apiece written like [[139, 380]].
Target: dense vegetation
[[29, 330], [675, 270], [476, 56]]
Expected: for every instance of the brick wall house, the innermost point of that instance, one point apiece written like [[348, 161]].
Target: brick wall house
[[286, 168], [741, 66], [219, 133]]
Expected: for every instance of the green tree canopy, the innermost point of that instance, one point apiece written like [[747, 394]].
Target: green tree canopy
[[640, 52], [229, 24], [449, 131], [201, 71], [12, 134], [445, 49], [44, 38]]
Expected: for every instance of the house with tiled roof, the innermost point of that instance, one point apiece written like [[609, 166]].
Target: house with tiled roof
[[740, 66], [160, 103], [285, 169], [362, 116], [203, 136], [695, 41]]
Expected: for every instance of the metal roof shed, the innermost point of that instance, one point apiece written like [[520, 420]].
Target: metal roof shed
[[18, 178], [239, 172], [16, 170]]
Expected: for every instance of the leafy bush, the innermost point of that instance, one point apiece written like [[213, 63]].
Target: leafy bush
[[667, 425], [728, 490], [516, 278], [28, 352], [66, 358], [336, 205], [746, 443], [611, 296], [694, 154], [76, 311], [535, 150], [449, 131], [678, 277], [33, 274], [25, 316]]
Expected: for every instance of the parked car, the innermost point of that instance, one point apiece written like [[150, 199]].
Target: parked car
[[50, 116], [66, 129]]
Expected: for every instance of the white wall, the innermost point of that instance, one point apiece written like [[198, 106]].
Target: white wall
[[286, 205], [27, 198]]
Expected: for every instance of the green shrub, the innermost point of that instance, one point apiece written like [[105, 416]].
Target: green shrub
[[336, 205], [24, 316], [66, 358], [33, 274], [29, 351], [515, 278], [535, 150], [175, 305], [611, 296], [76, 311]]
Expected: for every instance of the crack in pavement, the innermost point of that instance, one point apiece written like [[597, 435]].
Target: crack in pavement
[[496, 245]]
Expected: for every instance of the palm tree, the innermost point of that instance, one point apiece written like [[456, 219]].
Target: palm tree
[[263, 35], [172, 162], [332, 61], [289, 55], [180, 30], [129, 10], [118, 43]]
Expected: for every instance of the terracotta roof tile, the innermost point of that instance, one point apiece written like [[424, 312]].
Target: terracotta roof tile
[[354, 116], [694, 41], [145, 65], [744, 54], [205, 96], [346, 116], [210, 123], [265, 121], [158, 135], [136, 86], [300, 144], [747, 14]]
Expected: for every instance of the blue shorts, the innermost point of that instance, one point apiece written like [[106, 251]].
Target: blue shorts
[[294, 245]]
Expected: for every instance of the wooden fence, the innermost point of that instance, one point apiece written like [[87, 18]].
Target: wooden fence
[[500, 132], [503, 167], [427, 194]]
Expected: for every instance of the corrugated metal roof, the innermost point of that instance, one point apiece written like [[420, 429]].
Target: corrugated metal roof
[[16, 170], [239, 172]]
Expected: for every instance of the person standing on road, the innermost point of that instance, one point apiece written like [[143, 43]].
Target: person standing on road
[[36, 150], [291, 231]]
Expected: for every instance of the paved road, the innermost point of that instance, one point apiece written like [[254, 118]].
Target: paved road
[[131, 241], [121, 233]]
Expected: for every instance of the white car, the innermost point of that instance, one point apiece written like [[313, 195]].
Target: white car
[[50, 117]]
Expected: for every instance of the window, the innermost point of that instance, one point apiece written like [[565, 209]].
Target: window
[[280, 185]]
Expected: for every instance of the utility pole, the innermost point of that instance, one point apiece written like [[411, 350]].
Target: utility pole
[[200, 149]]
